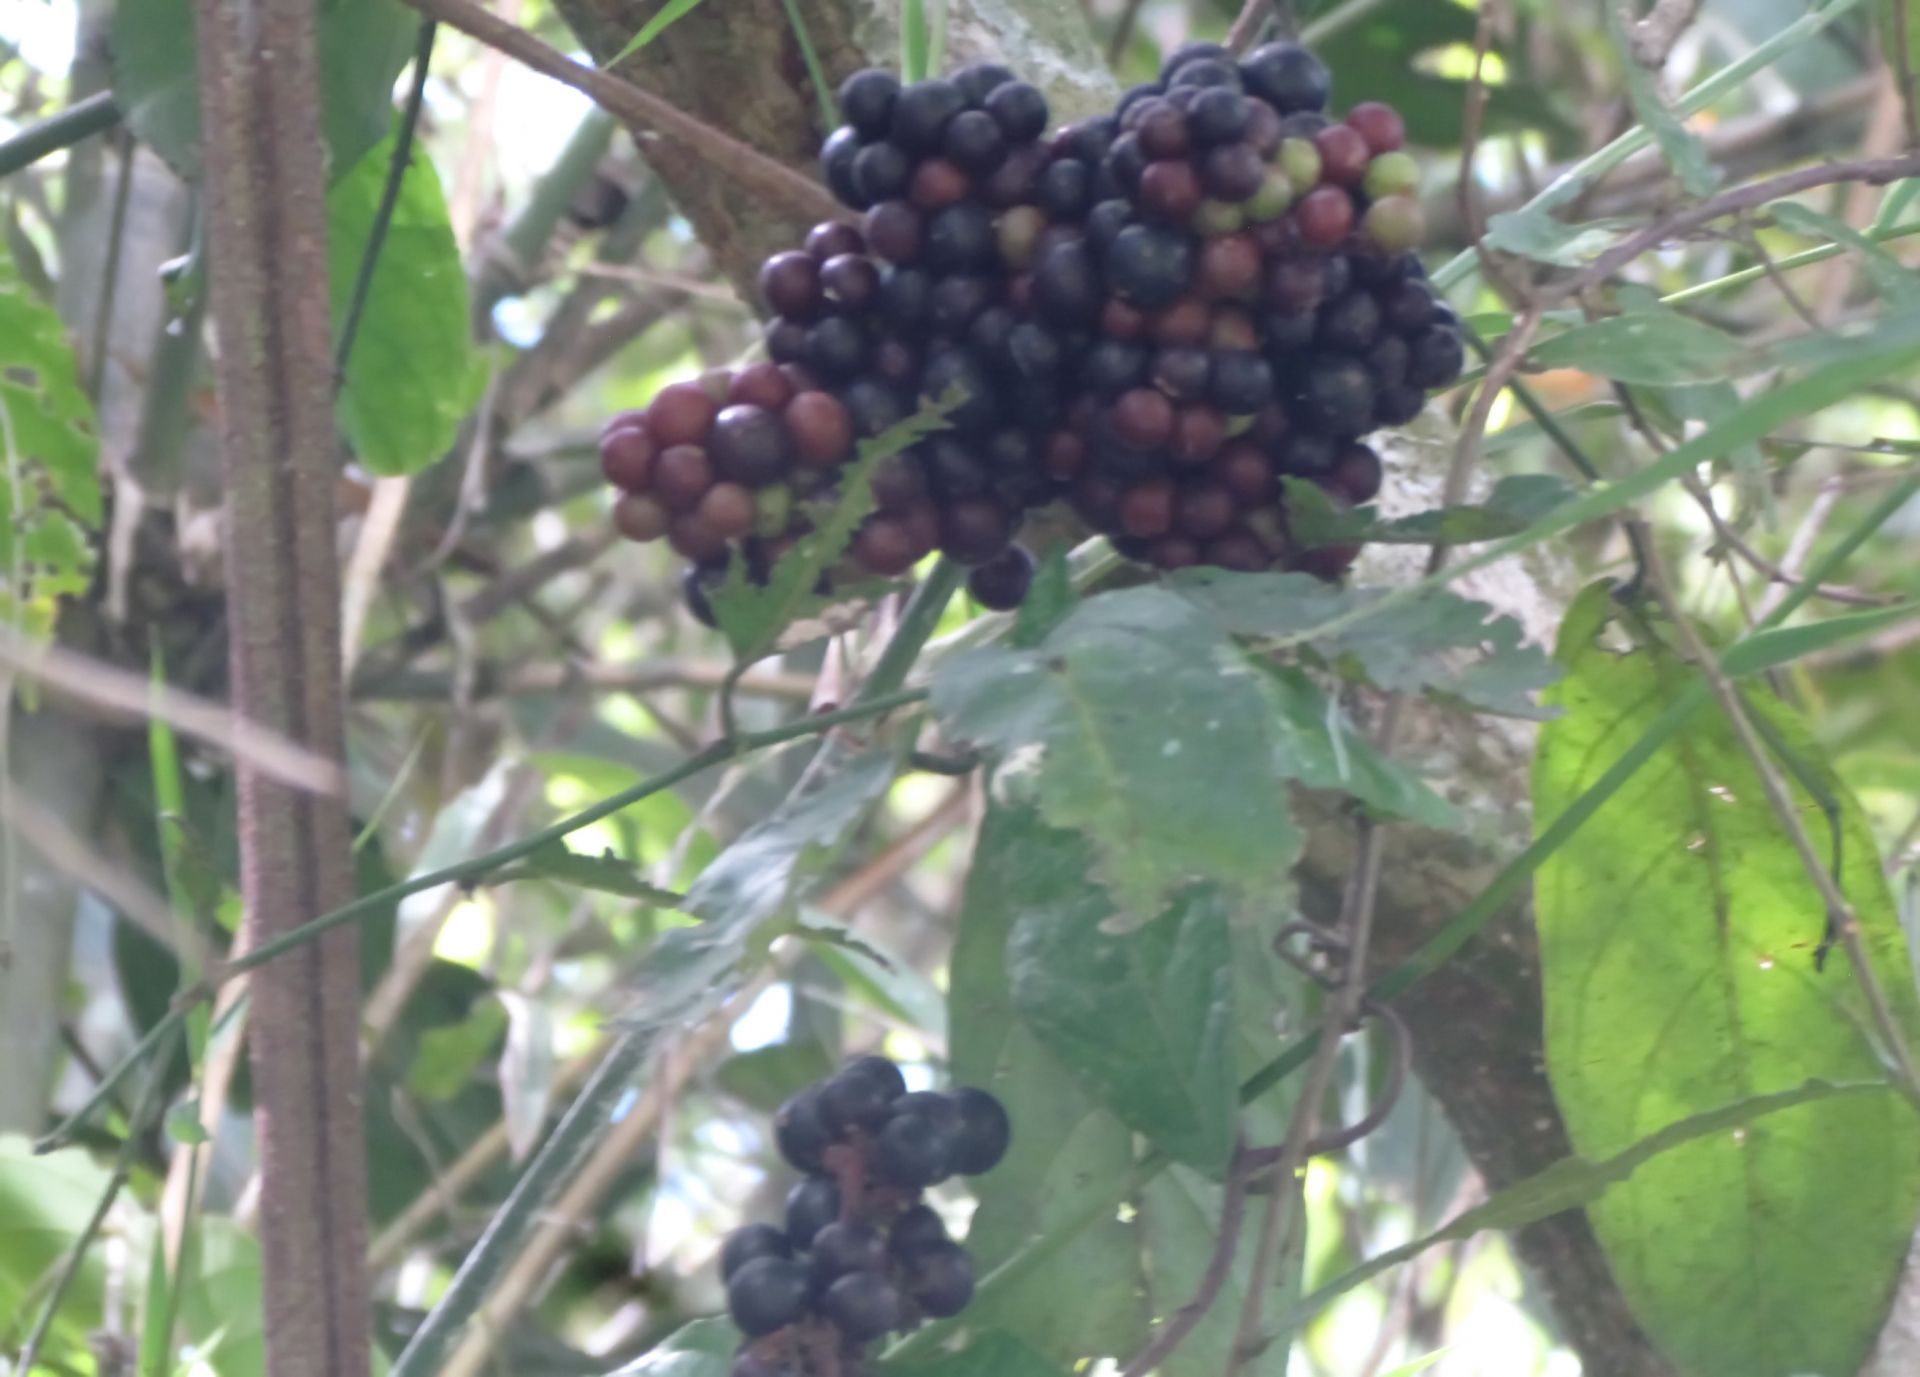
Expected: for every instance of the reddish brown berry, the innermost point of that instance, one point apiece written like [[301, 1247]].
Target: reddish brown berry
[[820, 429], [1205, 511], [1121, 320], [1246, 473], [832, 238], [1325, 216], [1173, 552], [1170, 190], [1237, 550], [790, 284], [727, 510], [1357, 474], [681, 476], [1146, 509], [626, 456], [938, 184], [1232, 329], [762, 385], [692, 538], [1143, 418], [681, 414], [1198, 433], [885, 546], [1379, 124], [1183, 323], [639, 517], [1344, 154], [1229, 268]]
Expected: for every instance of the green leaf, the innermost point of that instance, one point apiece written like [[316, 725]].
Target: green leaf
[[363, 46], [1893, 281], [915, 42], [670, 13], [450, 1053], [992, 1354], [221, 1305], [44, 1204], [1681, 147], [1653, 345], [1143, 1020], [1898, 18], [1067, 1152], [753, 617], [412, 376], [1180, 1214], [765, 1077], [757, 879], [1576, 1181], [1139, 724], [1515, 503], [605, 872], [1677, 935], [1411, 644], [183, 1123], [703, 1348], [49, 446], [1782, 645], [1047, 602], [1534, 233]]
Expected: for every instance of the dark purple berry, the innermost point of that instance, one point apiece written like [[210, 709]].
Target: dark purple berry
[[1149, 265], [1287, 77], [881, 171], [960, 238], [866, 101], [940, 1280], [836, 349], [1350, 324], [1218, 115], [751, 1241], [766, 1294], [842, 1248], [916, 1229], [749, 446], [837, 157], [1064, 189], [1000, 585], [984, 1132], [1439, 356], [1183, 373], [912, 1151], [975, 141], [921, 112], [956, 302], [1207, 73], [975, 531], [811, 1205], [979, 80], [798, 1130], [862, 1306], [1066, 284], [1242, 382]]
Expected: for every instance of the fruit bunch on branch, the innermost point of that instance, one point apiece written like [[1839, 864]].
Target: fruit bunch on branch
[[1152, 316]]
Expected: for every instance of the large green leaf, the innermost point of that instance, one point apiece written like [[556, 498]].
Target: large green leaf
[[1654, 345], [992, 1354], [48, 446], [1144, 1019], [1144, 729], [1677, 934], [412, 376], [363, 46], [1068, 1153], [703, 1348]]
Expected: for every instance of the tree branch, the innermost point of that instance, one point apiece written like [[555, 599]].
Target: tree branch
[[266, 194]]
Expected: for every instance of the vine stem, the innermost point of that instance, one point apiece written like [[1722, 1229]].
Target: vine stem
[[81, 120]]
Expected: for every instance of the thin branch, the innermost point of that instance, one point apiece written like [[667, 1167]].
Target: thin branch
[[81, 120], [1903, 72], [1873, 171], [729, 157], [1249, 24], [389, 198], [1226, 1246], [1123, 32], [1655, 34], [1733, 540], [110, 271]]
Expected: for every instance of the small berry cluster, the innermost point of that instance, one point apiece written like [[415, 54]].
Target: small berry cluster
[[859, 1256], [1153, 316]]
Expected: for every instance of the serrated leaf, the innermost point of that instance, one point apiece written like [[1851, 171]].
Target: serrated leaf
[[1576, 1181], [1435, 642], [412, 376], [753, 616], [1677, 935], [49, 446], [668, 14], [1679, 145], [757, 879], [1180, 1215], [606, 872], [992, 1354], [1515, 503], [1653, 345], [363, 46], [1067, 1152], [1316, 745], [1534, 233], [1047, 602], [703, 1348], [1137, 723], [1893, 281], [1142, 1019]]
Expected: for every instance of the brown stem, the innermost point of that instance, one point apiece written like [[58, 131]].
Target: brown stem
[[266, 203], [642, 110], [1182, 1322], [1873, 171]]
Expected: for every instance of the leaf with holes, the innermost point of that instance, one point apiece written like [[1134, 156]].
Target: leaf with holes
[[1070, 1158], [1139, 724], [50, 497], [1678, 934], [412, 376], [363, 46]]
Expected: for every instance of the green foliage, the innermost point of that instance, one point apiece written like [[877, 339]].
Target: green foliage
[[1677, 934], [363, 46], [1652, 345], [1679, 145], [1516, 502], [412, 377], [992, 1354], [44, 1204], [50, 493], [1069, 1153], [657, 23], [1180, 1214], [701, 1349], [1143, 1020]]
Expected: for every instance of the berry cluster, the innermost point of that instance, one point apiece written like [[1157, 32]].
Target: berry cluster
[[1153, 316], [859, 1256]]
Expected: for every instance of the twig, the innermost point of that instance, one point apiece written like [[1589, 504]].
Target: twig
[[1473, 429], [1226, 1246], [1903, 71], [726, 155], [389, 198], [1733, 540], [1249, 24], [1874, 171], [1123, 32], [1811, 524], [1840, 912], [1656, 33], [110, 271], [81, 120]]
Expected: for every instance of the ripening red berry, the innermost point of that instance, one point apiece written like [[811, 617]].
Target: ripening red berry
[[626, 456], [1379, 124], [1344, 154], [1198, 433], [1146, 509], [681, 414], [1325, 216], [820, 429], [639, 517], [760, 384], [1143, 418]]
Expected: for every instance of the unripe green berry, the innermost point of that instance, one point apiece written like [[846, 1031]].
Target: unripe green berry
[[1396, 223], [773, 509], [1273, 200], [1300, 160], [1217, 217], [1392, 174]]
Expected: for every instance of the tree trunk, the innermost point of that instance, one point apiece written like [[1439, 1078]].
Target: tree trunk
[[266, 199]]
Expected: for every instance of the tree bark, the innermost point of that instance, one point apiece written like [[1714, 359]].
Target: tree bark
[[266, 198]]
